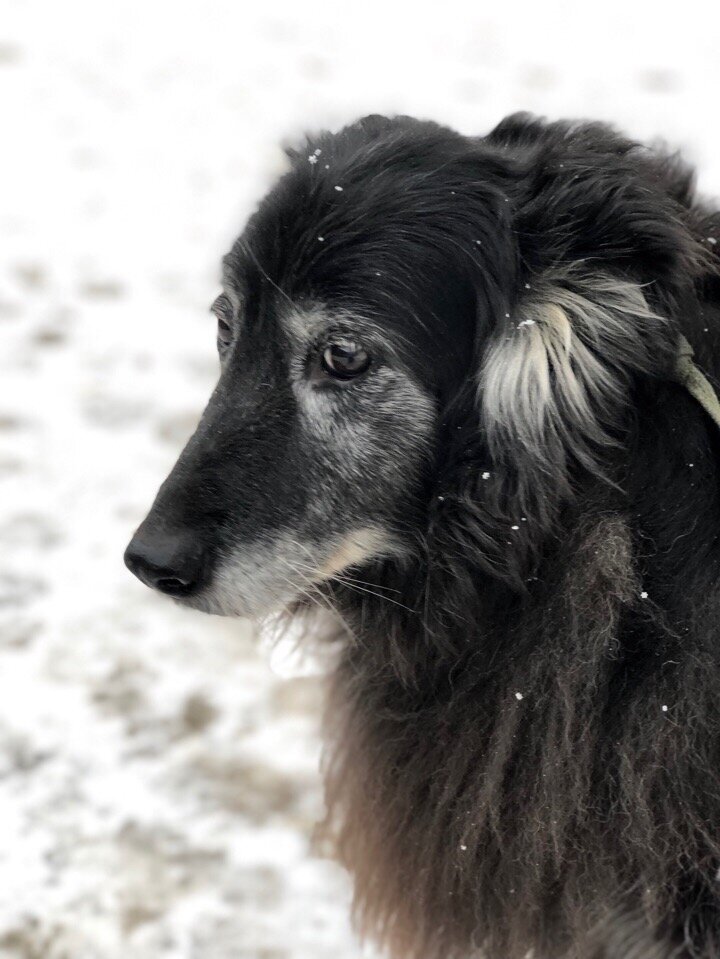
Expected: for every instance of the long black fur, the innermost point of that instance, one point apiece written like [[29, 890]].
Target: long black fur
[[523, 745], [583, 819]]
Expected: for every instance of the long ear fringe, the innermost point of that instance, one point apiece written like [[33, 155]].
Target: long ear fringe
[[554, 395], [554, 383]]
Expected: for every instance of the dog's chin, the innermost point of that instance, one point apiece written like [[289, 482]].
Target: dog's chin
[[241, 603], [237, 605], [305, 629]]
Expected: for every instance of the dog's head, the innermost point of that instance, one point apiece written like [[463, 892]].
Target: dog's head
[[418, 332]]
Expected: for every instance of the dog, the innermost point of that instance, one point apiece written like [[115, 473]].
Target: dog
[[449, 410]]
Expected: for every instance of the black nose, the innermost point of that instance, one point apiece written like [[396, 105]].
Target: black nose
[[170, 562]]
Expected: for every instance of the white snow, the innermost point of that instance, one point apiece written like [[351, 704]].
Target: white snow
[[158, 780]]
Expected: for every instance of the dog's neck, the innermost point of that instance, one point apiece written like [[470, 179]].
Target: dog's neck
[[469, 725]]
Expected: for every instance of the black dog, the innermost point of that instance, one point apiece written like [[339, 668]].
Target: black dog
[[448, 410]]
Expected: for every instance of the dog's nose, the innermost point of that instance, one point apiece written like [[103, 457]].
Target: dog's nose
[[172, 563]]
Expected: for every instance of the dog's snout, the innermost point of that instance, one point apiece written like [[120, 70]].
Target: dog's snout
[[171, 563]]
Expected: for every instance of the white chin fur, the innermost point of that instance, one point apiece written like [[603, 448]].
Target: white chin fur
[[262, 579]]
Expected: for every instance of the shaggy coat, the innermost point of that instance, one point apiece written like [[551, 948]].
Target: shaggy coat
[[524, 722]]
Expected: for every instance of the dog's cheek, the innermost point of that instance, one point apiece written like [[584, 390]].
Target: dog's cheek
[[368, 441]]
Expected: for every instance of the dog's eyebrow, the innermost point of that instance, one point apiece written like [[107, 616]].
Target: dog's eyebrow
[[220, 303], [236, 291], [236, 298], [234, 276]]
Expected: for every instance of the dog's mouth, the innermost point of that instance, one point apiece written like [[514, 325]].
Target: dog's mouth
[[255, 580]]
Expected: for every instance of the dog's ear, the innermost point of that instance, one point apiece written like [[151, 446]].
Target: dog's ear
[[555, 382], [584, 302], [553, 400]]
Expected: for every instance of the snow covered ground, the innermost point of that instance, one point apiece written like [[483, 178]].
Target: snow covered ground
[[158, 780]]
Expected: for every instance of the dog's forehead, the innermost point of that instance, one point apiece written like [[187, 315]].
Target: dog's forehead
[[295, 311], [364, 240]]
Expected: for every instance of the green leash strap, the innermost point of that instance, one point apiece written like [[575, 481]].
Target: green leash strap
[[695, 381]]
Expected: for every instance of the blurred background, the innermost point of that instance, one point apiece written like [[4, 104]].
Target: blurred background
[[158, 769]]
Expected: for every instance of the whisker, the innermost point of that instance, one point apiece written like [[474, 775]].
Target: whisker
[[352, 579], [352, 584], [360, 589], [312, 593]]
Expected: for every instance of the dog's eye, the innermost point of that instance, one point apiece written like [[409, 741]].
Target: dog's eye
[[345, 360], [224, 332], [223, 311]]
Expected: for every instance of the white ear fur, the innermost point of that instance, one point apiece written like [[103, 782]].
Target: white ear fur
[[553, 384]]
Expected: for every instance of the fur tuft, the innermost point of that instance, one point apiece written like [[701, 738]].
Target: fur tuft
[[555, 387]]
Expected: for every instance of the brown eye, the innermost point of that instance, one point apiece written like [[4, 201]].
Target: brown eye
[[345, 360]]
